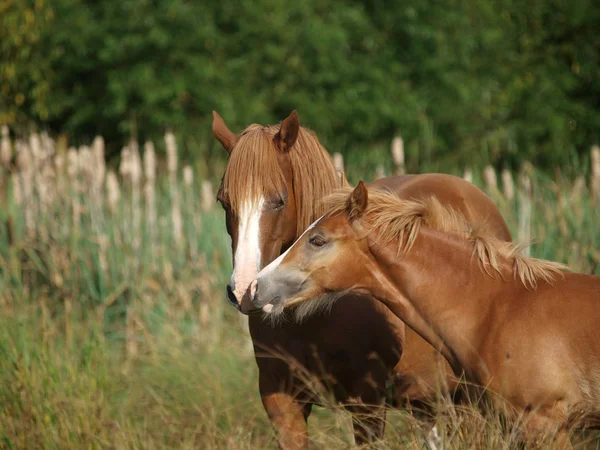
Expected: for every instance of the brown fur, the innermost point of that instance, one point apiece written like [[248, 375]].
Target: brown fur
[[392, 218]]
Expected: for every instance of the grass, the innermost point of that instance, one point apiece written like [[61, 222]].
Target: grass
[[80, 394], [113, 336]]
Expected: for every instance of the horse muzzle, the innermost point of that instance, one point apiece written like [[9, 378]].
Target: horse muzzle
[[266, 294]]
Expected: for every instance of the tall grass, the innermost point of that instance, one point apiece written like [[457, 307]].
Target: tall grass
[[114, 332]]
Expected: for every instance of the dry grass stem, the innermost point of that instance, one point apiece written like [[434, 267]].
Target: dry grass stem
[[508, 185], [398, 155]]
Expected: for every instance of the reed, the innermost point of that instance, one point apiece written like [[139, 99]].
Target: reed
[[338, 163], [398, 155], [188, 183], [113, 191], [508, 186], [208, 195], [491, 181], [73, 173], [172, 161], [150, 193], [525, 199], [5, 147], [26, 176], [595, 173], [468, 175], [136, 181]]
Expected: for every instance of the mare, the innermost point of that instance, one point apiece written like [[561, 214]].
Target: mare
[[519, 326], [271, 191]]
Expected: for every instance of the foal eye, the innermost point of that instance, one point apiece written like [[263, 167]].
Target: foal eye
[[317, 241]]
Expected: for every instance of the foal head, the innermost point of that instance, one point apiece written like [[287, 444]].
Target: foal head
[[270, 191], [332, 255]]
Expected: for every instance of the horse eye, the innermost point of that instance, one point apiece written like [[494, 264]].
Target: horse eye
[[277, 205], [317, 241]]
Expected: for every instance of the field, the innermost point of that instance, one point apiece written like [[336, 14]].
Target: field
[[114, 329]]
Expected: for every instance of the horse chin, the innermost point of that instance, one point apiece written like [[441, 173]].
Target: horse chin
[[318, 304], [268, 308], [274, 313], [271, 306]]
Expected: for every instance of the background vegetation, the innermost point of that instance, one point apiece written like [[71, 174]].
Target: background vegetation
[[488, 81], [114, 330]]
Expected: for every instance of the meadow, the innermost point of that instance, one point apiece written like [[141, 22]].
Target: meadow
[[114, 328]]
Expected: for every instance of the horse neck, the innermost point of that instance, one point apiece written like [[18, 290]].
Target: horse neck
[[441, 292]]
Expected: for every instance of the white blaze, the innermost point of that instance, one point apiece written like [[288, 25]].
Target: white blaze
[[247, 256]]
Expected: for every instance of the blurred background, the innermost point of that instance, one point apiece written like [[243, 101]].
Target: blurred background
[[114, 327], [462, 81]]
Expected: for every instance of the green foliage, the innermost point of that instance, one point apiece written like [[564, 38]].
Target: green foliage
[[462, 81], [75, 395], [24, 70]]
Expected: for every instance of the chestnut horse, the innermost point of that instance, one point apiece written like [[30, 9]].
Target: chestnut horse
[[271, 189], [519, 326]]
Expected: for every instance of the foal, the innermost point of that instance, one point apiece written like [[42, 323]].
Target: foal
[[516, 325]]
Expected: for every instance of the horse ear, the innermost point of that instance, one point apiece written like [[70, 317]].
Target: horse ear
[[288, 133], [222, 133], [357, 202]]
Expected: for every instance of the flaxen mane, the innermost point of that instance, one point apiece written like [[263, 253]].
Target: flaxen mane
[[391, 217], [253, 171]]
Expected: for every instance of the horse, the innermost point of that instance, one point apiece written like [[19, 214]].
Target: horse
[[271, 190], [523, 328]]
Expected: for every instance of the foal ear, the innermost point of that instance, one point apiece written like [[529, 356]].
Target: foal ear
[[357, 202], [222, 133], [288, 133]]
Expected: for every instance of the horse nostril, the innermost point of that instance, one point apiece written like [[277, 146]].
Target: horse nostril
[[231, 296]]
